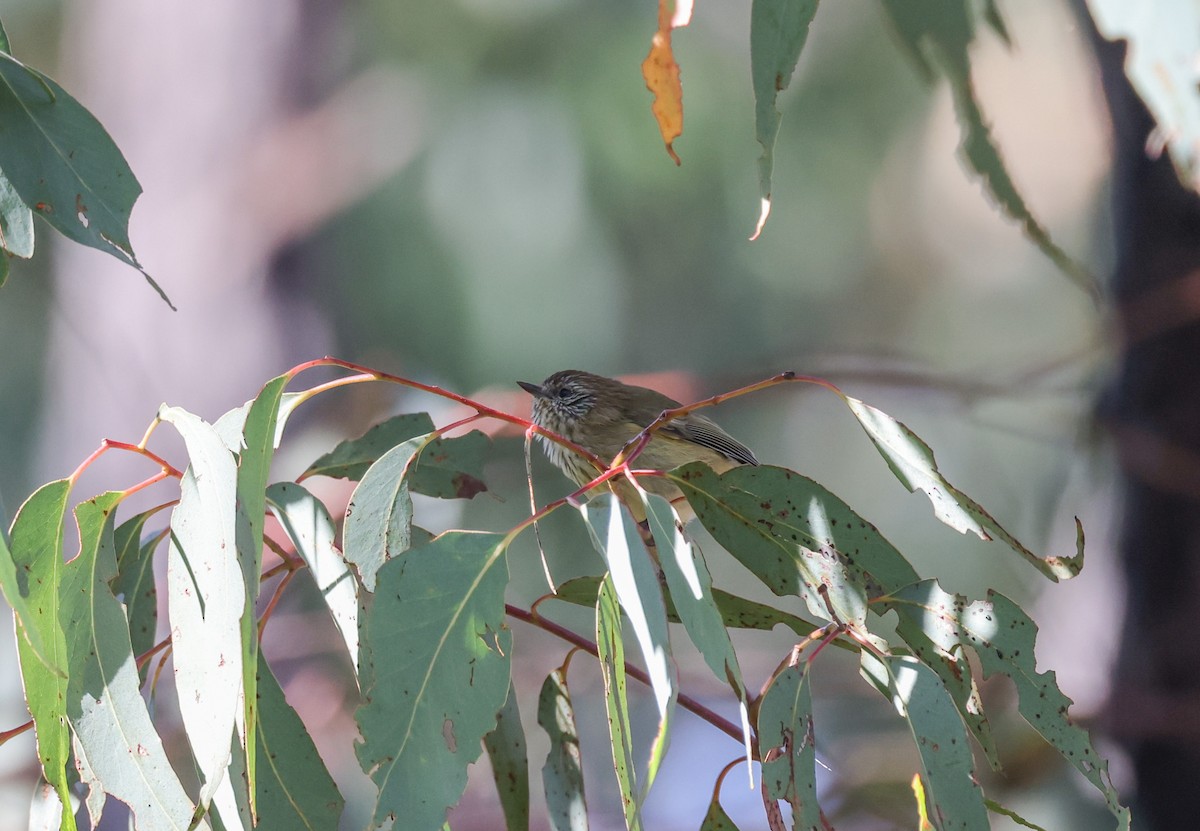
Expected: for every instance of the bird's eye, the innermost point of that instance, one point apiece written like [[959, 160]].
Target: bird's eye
[[564, 393]]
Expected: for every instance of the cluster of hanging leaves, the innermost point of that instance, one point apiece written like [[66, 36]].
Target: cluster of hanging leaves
[[424, 622], [935, 33]]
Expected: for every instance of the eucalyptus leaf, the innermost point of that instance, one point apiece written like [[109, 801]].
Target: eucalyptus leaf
[[104, 703], [206, 597], [438, 653], [63, 164], [785, 726], [562, 774], [610, 649], [36, 543], [295, 791], [635, 580], [505, 747]]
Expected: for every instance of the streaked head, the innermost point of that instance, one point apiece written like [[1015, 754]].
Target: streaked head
[[564, 399]]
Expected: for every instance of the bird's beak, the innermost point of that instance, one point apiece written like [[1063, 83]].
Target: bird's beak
[[533, 389]]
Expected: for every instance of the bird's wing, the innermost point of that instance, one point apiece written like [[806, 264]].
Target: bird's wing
[[705, 432]]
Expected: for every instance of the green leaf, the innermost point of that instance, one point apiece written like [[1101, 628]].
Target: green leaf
[[36, 542], [1164, 39], [947, 768], [206, 599], [795, 536], [1004, 638], [96, 797], [785, 726], [690, 587], [309, 527], [938, 35], [737, 612], [295, 791], [104, 702], [17, 589], [436, 658], [452, 468], [562, 774], [633, 576], [610, 650], [912, 462], [16, 221], [351, 458], [261, 432], [447, 468], [134, 583], [510, 763], [64, 165], [378, 524], [778, 30], [716, 819], [4, 44]]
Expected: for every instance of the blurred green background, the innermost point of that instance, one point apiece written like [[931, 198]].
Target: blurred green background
[[474, 192]]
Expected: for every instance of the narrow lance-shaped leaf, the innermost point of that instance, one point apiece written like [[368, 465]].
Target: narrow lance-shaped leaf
[[947, 769], [690, 587], [635, 580], [938, 35], [206, 598], [63, 164], [436, 655], [1004, 638], [912, 461], [295, 791], [736, 612], [36, 541], [134, 583], [104, 702], [716, 819], [308, 525], [778, 30], [263, 426], [562, 774], [510, 763], [786, 740], [610, 649]]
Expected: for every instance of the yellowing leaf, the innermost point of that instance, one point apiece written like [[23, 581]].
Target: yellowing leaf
[[662, 72]]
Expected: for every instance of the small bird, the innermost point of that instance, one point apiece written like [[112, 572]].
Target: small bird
[[602, 415]]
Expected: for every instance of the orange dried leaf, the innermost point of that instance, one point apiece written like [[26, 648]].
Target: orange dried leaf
[[662, 73]]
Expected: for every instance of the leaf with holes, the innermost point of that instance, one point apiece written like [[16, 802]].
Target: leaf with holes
[[1004, 638], [785, 738], [436, 655], [912, 462]]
